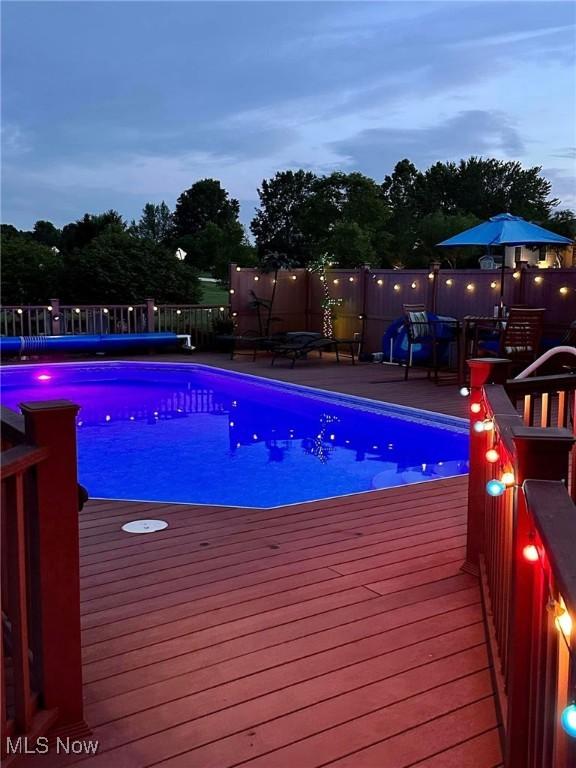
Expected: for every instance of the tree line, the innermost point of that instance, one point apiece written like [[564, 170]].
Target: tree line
[[302, 217]]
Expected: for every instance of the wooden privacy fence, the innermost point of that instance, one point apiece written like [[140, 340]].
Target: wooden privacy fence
[[57, 319], [372, 298], [41, 675], [522, 544]]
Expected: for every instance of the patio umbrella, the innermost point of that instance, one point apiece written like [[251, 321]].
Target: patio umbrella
[[505, 229]]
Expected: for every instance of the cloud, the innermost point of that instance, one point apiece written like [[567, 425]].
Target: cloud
[[473, 132]]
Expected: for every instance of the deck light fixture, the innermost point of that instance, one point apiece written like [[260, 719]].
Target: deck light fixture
[[495, 488]]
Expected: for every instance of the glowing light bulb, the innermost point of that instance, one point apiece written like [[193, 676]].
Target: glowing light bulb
[[49, 308], [495, 488], [254, 436], [470, 287], [413, 285], [430, 275], [336, 281], [464, 391], [478, 426], [516, 275], [350, 279], [107, 417], [293, 277], [130, 309], [396, 287], [105, 310], [256, 278], [155, 309], [538, 279], [19, 311], [564, 290], [232, 291], [77, 310], [492, 455], [234, 314], [475, 407], [493, 284], [380, 282], [178, 311], [449, 281], [238, 269], [568, 720], [530, 553], [488, 425], [508, 478], [321, 278], [563, 621]]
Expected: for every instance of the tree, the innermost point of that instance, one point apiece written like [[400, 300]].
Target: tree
[[46, 233], [206, 202], [79, 234], [434, 228], [31, 272], [349, 245], [155, 224], [281, 223], [116, 267], [402, 191]]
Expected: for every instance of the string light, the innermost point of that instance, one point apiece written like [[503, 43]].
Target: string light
[[256, 278], [562, 620], [350, 279], [336, 281], [396, 287], [413, 285], [380, 282], [178, 311], [77, 310], [19, 311], [564, 290], [130, 309], [488, 425], [495, 487], [530, 553], [492, 456], [493, 284], [538, 279], [464, 391], [478, 426], [568, 720], [238, 269], [430, 275], [105, 311], [508, 478], [475, 407], [293, 277], [516, 275], [470, 287], [232, 291], [49, 308], [449, 281], [156, 308]]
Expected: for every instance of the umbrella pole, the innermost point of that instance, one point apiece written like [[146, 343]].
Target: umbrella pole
[[502, 274]]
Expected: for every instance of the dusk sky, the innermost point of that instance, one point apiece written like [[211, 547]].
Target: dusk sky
[[114, 104]]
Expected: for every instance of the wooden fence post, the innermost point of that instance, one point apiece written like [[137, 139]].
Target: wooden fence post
[[542, 454], [435, 266], [482, 371], [54, 529], [150, 318], [55, 317]]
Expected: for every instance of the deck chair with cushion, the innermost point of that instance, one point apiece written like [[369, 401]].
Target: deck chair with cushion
[[430, 332]]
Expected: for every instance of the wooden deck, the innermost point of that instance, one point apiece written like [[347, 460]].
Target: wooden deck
[[337, 632]]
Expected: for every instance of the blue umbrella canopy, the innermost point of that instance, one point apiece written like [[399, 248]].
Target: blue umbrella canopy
[[506, 229]]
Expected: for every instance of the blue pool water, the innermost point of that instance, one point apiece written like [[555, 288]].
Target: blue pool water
[[190, 433]]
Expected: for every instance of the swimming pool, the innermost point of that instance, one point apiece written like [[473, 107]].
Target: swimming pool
[[195, 434]]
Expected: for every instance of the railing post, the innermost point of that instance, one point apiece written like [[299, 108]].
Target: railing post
[[542, 454], [482, 371], [55, 317], [150, 319], [55, 537]]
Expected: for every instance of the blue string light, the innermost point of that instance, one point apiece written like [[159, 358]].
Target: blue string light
[[568, 720], [495, 488]]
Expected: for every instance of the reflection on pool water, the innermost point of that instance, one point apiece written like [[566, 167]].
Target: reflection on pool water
[[190, 433]]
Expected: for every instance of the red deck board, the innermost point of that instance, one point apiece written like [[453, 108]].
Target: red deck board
[[339, 632]]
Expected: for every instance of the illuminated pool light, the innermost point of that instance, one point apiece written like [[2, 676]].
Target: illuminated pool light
[[44, 377]]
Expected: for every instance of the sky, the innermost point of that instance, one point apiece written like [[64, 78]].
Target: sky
[[115, 104]]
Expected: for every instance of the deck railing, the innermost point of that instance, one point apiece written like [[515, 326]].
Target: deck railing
[[55, 319], [522, 544], [41, 675]]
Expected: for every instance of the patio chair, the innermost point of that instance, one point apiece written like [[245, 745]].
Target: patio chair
[[434, 334], [298, 346], [252, 342], [520, 338]]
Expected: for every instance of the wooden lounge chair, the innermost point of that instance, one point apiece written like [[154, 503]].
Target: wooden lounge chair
[[520, 339]]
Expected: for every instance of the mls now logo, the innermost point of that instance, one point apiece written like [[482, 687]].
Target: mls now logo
[[22, 745]]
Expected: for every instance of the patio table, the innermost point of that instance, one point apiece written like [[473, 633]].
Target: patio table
[[470, 328]]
